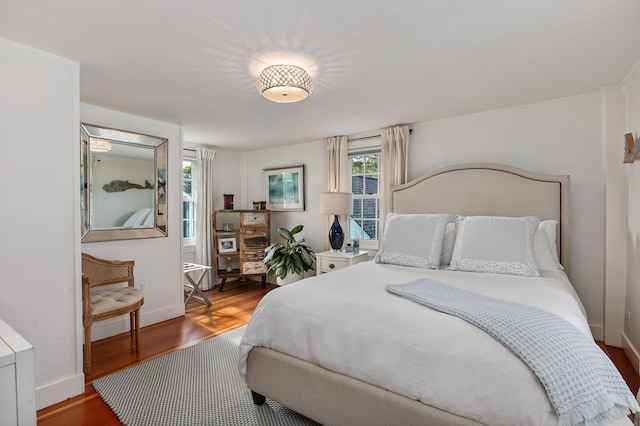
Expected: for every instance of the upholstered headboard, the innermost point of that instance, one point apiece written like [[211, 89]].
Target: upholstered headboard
[[492, 190]]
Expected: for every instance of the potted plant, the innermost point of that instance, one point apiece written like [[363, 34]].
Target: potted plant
[[289, 257]]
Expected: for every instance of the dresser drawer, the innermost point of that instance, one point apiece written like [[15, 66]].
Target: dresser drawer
[[255, 232], [252, 255], [328, 265], [254, 219], [249, 268]]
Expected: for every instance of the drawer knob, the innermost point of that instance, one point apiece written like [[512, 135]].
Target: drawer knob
[[332, 266]]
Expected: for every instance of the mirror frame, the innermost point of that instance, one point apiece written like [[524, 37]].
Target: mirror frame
[[160, 205]]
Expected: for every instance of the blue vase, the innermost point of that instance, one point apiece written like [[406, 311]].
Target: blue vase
[[336, 236]]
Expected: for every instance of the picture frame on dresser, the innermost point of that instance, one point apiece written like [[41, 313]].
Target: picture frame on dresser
[[284, 187], [227, 245]]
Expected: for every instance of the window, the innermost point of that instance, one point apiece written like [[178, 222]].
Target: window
[[188, 203], [365, 175]]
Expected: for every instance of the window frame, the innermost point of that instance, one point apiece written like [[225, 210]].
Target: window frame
[[362, 146], [189, 241]]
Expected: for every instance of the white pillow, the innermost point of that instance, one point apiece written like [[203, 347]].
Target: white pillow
[[137, 218], [549, 227], [545, 252], [501, 245], [149, 220], [447, 246], [542, 250], [413, 240]]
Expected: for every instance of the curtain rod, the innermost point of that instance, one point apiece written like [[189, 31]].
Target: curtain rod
[[354, 139], [371, 137], [364, 137]]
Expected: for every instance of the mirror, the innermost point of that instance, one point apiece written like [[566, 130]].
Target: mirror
[[123, 179]]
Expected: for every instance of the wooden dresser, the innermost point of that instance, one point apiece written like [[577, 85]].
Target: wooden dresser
[[239, 240]]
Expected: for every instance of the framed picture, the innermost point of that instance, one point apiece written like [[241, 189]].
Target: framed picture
[[226, 245], [285, 188]]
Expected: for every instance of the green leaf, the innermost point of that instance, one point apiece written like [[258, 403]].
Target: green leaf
[[306, 257], [284, 233], [270, 254], [297, 262], [296, 229]]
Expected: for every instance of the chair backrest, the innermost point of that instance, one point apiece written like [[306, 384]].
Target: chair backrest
[[105, 272]]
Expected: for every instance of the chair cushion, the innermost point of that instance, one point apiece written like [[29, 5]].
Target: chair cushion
[[110, 300]]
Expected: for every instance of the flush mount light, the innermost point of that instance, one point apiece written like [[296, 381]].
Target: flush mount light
[[99, 145], [284, 83]]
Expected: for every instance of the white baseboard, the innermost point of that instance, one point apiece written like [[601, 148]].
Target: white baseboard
[[67, 388], [103, 329], [57, 392], [631, 352], [597, 331]]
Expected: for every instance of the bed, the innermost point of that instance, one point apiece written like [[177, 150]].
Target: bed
[[341, 349]]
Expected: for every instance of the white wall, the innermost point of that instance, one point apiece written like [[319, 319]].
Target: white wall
[[559, 137], [40, 217], [158, 260], [228, 167], [632, 333], [313, 156], [615, 277]]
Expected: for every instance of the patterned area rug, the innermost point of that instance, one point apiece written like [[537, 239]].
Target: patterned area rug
[[198, 385]]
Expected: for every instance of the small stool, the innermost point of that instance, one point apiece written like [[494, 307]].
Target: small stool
[[195, 292]]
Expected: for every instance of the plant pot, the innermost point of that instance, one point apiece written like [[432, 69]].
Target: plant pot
[[290, 278]]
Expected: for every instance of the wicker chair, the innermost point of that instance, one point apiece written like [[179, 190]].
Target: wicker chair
[[113, 302]]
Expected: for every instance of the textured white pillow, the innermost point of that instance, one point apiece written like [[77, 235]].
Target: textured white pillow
[[501, 245], [413, 240]]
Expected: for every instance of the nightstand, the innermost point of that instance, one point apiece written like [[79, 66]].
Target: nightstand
[[329, 261]]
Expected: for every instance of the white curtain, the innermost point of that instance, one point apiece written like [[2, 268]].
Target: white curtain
[[338, 177], [203, 178], [394, 158]]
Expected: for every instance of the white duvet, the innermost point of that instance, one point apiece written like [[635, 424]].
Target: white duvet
[[347, 322]]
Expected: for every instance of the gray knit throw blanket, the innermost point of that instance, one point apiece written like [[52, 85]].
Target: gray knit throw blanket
[[581, 382]]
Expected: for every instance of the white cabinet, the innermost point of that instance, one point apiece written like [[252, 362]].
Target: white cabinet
[[17, 379], [329, 261]]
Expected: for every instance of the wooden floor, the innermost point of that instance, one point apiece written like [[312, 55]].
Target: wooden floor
[[231, 309]]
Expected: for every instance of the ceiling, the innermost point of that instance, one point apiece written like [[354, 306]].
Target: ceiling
[[375, 63]]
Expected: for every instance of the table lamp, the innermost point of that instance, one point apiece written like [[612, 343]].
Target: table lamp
[[336, 203]]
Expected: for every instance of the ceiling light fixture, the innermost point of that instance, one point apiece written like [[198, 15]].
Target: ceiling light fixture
[[99, 145], [284, 83]]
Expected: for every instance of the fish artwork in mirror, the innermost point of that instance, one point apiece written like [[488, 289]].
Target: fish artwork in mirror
[[123, 184]]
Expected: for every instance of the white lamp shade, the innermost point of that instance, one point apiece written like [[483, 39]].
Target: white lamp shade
[[336, 203]]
